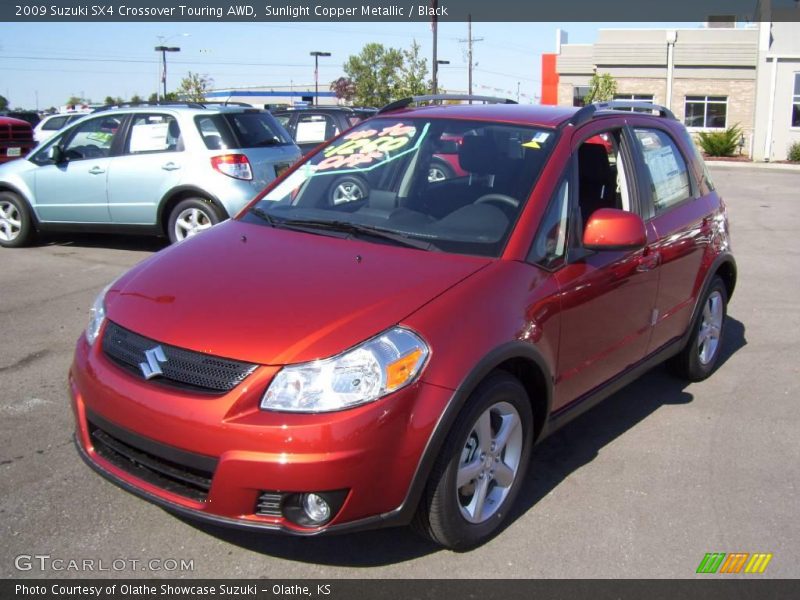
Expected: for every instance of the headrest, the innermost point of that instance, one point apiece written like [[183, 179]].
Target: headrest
[[478, 154], [593, 161]]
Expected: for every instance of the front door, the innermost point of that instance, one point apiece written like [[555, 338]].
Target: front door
[[74, 191], [607, 297]]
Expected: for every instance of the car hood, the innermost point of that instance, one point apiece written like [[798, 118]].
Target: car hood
[[274, 297]]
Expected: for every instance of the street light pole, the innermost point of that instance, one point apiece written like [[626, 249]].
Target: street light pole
[[436, 74], [316, 54], [164, 50]]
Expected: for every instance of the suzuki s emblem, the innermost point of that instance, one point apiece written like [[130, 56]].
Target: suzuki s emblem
[[152, 368]]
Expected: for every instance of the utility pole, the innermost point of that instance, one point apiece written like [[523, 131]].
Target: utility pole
[[435, 62], [316, 54], [470, 40]]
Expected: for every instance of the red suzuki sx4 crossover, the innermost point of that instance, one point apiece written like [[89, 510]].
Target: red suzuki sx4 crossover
[[345, 361]]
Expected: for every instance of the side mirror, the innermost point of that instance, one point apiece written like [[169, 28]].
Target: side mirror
[[56, 154], [614, 229]]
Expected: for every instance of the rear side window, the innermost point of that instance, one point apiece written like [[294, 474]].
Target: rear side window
[[669, 177], [55, 123], [241, 130], [315, 129], [154, 133]]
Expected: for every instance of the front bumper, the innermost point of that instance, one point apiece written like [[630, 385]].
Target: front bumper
[[372, 451]]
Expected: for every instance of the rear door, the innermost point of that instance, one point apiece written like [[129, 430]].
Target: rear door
[[679, 213], [607, 296], [151, 163]]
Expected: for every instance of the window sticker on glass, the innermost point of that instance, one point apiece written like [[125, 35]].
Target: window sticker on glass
[[366, 149]]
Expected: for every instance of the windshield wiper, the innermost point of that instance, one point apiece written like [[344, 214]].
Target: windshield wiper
[[356, 230], [260, 212]]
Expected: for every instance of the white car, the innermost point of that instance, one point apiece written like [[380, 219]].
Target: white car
[[53, 123]]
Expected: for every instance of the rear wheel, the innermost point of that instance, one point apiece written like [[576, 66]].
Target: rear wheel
[[700, 356], [479, 471], [16, 221], [190, 217]]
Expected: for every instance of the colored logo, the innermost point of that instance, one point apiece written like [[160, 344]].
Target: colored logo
[[736, 562], [152, 368]]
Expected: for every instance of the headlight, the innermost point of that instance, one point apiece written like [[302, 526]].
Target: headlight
[[377, 367], [97, 315]]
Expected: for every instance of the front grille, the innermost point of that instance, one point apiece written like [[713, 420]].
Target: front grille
[[183, 368], [166, 473], [21, 133], [269, 504]]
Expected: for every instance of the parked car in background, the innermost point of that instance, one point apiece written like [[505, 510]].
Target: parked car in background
[[50, 124], [161, 169], [29, 116], [393, 358], [16, 138], [311, 126]]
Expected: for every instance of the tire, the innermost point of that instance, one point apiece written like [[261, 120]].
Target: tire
[[451, 515], [439, 171], [348, 189], [190, 217], [700, 356], [16, 221]]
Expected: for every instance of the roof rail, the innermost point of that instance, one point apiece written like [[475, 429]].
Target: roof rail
[[226, 103], [405, 102], [596, 109], [160, 103]]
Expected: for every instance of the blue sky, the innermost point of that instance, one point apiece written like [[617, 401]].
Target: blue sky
[[52, 61]]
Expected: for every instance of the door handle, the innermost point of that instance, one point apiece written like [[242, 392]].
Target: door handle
[[170, 166], [648, 262], [97, 170]]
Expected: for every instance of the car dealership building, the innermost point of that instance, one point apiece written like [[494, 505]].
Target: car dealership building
[[712, 78]]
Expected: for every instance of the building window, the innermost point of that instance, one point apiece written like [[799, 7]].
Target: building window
[[635, 98], [796, 101], [579, 93], [706, 111]]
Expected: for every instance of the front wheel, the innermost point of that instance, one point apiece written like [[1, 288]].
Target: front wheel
[[480, 469], [700, 356], [190, 217], [16, 221]]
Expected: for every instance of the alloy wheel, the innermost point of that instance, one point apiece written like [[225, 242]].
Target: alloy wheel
[[190, 222], [710, 328], [489, 462], [10, 221]]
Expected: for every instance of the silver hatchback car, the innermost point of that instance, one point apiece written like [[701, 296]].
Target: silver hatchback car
[[161, 169]]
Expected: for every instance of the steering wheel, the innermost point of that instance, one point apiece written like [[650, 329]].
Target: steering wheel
[[501, 198]]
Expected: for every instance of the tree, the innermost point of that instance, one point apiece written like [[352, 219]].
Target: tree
[[194, 87], [602, 87], [344, 88], [376, 74], [3, 103], [77, 101], [413, 79], [136, 99]]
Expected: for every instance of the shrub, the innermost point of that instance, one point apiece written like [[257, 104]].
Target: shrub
[[794, 152], [720, 143]]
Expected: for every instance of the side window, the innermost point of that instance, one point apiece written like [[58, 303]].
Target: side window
[[54, 124], [550, 245], [602, 175], [154, 133], [314, 129], [669, 178], [93, 138], [283, 120]]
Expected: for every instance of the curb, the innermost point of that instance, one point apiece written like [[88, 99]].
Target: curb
[[724, 164]]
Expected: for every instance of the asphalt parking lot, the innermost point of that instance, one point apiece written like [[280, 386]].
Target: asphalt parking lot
[[641, 486]]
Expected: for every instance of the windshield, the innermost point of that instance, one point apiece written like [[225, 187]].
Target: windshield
[[440, 184]]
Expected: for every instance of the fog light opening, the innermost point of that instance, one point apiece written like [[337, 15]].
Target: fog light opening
[[316, 508]]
